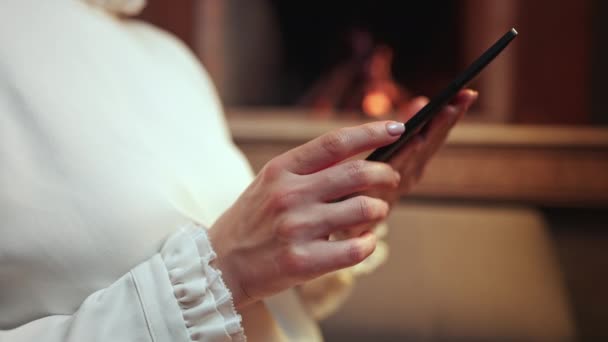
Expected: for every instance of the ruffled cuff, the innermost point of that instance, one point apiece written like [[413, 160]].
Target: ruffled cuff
[[205, 301]]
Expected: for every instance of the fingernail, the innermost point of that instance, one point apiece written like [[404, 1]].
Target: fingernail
[[395, 128], [475, 93]]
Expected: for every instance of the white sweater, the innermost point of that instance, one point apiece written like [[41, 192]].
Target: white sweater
[[113, 154]]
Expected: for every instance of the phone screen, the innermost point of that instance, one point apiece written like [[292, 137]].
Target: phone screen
[[423, 116]]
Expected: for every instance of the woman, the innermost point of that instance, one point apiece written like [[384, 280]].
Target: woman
[[114, 156]]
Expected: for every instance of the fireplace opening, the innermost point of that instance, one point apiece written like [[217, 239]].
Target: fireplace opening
[[329, 56], [318, 37]]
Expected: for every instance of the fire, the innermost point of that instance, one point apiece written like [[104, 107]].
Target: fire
[[376, 103]]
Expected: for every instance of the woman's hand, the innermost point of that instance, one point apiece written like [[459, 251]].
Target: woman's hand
[[275, 236]]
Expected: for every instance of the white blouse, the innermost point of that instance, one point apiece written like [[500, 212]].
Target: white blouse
[[113, 154]]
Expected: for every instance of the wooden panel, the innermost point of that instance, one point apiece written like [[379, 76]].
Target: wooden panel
[[553, 58], [540, 165], [543, 77], [543, 175], [484, 21], [174, 16]]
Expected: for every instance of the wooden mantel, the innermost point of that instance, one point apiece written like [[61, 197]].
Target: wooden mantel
[[541, 165]]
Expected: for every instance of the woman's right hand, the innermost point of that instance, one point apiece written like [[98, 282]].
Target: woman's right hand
[[275, 235]]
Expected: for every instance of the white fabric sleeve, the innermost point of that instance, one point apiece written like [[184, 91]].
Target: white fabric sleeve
[[324, 295], [173, 296]]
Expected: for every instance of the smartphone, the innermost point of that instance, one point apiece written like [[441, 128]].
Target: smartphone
[[413, 125]]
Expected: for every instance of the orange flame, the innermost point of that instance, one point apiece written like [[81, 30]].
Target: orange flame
[[376, 103]]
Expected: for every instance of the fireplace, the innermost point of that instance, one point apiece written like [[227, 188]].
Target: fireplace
[[270, 53], [265, 63]]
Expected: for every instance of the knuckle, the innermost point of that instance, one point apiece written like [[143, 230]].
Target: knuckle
[[384, 209], [369, 131], [293, 263], [358, 251], [396, 181], [356, 171], [325, 225], [355, 253], [372, 209], [386, 170], [281, 200], [285, 230], [272, 171], [394, 176], [335, 142], [366, 210], [289, 228]]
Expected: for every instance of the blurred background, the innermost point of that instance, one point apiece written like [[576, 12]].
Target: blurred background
[[506, 236]]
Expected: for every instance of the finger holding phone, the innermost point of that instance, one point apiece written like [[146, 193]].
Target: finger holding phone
[[411, 160], [428, 128]]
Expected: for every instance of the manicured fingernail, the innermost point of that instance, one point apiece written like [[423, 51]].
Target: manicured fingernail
[[475, 93], [395, 128]]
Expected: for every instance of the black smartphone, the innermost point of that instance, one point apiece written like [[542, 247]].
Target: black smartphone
[[413, 125]]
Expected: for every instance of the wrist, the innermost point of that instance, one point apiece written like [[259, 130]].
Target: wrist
[[229, 270]]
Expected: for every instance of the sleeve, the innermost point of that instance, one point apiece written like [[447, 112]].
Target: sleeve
[[173, 296], [324, 295]]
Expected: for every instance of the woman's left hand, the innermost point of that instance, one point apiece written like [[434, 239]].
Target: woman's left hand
[[412, 159], [414, 156]]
